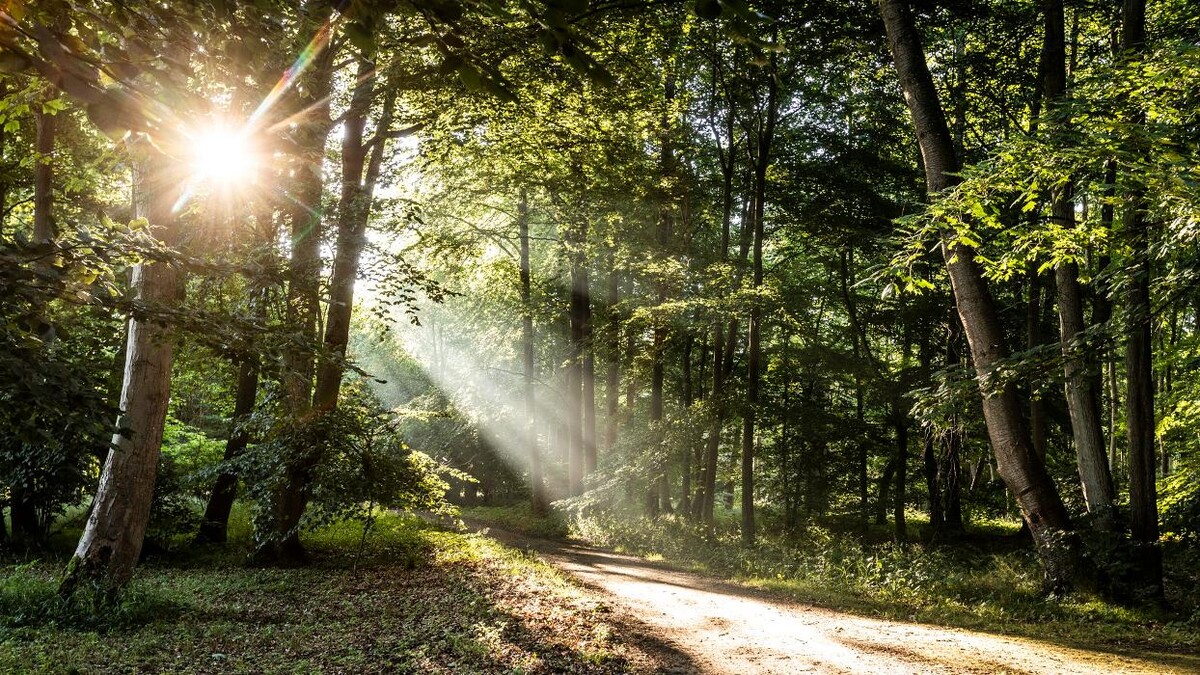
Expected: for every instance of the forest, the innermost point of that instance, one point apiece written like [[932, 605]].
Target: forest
[[414, 335]]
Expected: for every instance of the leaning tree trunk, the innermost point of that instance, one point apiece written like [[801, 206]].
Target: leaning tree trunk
[[1139, 364], [1021, 469], [112, 539], [1083, 403], [214, 527]]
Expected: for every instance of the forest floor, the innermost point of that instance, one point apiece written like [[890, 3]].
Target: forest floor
[[719, 627], [419, 600]]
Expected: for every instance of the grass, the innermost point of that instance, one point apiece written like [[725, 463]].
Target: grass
[[421, 600], [987, 581]]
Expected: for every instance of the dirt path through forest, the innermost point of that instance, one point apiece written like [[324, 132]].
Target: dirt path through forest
[[728, 629]]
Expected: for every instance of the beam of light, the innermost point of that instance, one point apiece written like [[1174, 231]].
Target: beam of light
[[486, 390], [306, 58]]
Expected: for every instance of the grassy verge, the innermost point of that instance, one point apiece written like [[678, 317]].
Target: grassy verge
[[983, 582], [419, 600]]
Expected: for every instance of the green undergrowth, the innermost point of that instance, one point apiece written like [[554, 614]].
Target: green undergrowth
[[985, 581], [416, 599]]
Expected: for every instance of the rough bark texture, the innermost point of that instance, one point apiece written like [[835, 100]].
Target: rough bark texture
[[1139, 365], [1018, 464], [112, 539]]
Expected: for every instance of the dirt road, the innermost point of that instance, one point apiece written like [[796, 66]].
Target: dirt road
[[723, 628]]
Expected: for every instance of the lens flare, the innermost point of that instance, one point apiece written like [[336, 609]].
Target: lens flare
[[223, 156]]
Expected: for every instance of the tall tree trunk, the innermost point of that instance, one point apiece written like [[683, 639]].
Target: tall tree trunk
[[578, 317], [279, 539], [658, 495], [1082, 401], [762, 160], [26, 525], [1139, 362], [588, 379], [537, 483], [703, 507], [612, 375], [1023, 472], [112, 538], [685, 487]]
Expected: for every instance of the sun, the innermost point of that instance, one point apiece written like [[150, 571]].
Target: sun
[[223, 156]]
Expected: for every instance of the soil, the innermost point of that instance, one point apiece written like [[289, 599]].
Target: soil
[[711, 626]]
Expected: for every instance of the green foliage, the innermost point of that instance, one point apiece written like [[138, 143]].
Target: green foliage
[[362, 463]]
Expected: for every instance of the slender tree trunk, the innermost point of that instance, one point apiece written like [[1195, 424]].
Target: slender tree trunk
[[588, 380], [1082, 402], [215, 524], [1022, 470], [612, 376], [883, 490], [685, 488], [26, 525], [951, 464], [537, 483], [703, 508], [658, 495], [112, 538], [578, 316], [762, 160], [279, 540], [1139, 362]]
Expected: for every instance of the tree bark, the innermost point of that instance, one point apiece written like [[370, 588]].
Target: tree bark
[[762, 160], [279, 540], [214, 527], [703, 506], [1019, 466], [112, 538], [1139, 362], [1082, 401]]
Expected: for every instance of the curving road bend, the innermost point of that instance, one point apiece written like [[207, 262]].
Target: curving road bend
[[727, 629]]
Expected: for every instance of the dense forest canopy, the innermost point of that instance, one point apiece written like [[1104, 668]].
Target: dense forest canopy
[[745, 266]]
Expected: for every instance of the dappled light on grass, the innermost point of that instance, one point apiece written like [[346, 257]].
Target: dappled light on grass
[[425, 600]]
